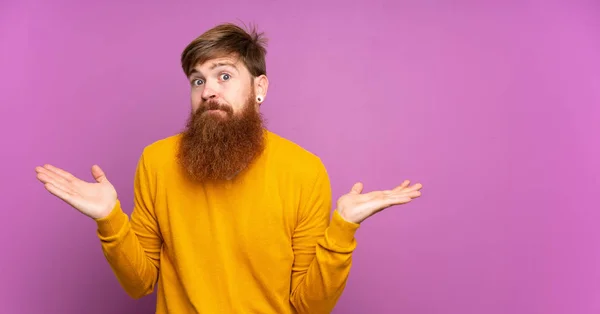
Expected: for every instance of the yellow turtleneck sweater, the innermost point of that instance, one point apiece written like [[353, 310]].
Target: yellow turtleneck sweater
[[260, 243]]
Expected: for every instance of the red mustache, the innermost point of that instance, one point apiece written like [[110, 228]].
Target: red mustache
[[214, 105]]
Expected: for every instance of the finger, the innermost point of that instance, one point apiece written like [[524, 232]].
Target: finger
[[357, 188], [59, 184], [56, 191], [50, 176], [410, 194], [393, 200], [98, 174], [44, 173], [382, 203], [63, 174], [413, 194], [400, 198], [415, 187], [401, 186]]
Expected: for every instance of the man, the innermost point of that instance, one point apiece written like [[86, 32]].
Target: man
[[228, 216]]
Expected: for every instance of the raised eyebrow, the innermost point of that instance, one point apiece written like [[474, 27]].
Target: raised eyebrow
[[223, 64], [194, 74]]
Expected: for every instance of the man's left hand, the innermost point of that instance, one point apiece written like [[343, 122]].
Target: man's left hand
[[356, 207]]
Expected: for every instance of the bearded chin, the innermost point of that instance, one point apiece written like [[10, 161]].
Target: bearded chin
[[216, 147]]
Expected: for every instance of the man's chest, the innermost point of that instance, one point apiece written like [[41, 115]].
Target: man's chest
[[253, 221]]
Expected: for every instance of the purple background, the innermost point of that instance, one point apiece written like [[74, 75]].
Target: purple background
[[494, 107]]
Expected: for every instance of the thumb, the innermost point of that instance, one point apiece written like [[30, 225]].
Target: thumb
[[98, 174], [357, 188]]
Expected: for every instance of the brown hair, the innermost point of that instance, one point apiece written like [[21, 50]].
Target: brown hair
[[227, 40]]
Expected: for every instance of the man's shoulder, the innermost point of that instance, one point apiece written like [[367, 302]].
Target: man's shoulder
[[290, 149], [299, 168], [163, 144], [162, 150], [291, 154]]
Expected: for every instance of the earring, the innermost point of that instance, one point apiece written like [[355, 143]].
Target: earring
[[259, 99]]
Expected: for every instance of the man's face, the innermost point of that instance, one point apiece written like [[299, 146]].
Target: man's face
[[221, 87], [224, 132]]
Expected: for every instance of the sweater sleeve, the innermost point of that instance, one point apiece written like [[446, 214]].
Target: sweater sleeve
[[132, 246], [322, 249]]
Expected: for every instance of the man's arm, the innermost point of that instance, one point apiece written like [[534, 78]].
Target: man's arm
[[132, 247], [322, 249]]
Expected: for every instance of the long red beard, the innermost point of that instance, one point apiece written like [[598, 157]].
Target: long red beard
[[216, 147]]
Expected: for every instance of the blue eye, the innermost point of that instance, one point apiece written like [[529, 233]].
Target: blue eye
[[225, 76], [197, 82]]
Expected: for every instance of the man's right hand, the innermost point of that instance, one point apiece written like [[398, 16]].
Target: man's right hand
[[93, 199]]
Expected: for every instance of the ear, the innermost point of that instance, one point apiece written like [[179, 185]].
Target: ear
[[261, 86]]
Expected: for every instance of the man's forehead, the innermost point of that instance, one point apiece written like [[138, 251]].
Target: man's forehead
[[211, 64]]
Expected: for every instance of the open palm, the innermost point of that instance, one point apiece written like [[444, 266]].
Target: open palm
[[93, 199], [356, 207]]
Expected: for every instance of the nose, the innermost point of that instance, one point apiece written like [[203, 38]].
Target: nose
[[209, 91]]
